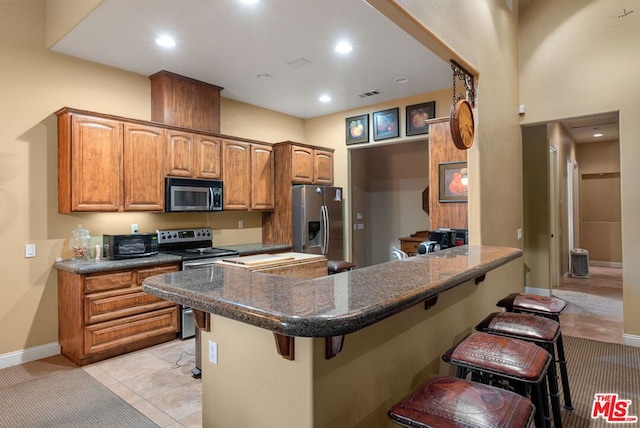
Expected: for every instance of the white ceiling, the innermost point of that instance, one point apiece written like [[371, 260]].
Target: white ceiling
[[227, 43], [582, 129]]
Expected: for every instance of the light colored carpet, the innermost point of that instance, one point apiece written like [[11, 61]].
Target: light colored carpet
[[599, 367], [53, 393]]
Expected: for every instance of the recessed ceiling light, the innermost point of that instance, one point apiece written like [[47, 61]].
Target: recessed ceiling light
[[166, 42], [324, 99], [249, 1], [263, 76], [343, 48], [402, 79], [598, 134]]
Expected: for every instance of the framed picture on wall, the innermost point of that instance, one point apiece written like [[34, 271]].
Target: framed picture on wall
[[357, 129], [453, 181], [417, 116], [385, 124]]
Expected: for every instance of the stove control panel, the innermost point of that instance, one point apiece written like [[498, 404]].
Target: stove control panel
[[174, 236]]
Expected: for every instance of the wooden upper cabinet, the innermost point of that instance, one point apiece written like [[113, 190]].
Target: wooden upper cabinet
[[262, 177], [311, 166], [143, 148], [105, 164], [207, 157], [89, 163], [236, 156], [192, 155], [323, 167], [302, 164], [248, 176], [179, 153]]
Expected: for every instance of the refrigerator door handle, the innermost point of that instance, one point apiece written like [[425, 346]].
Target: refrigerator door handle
[[325, 229]]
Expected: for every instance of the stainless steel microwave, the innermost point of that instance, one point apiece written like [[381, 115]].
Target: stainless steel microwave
[[187, 194], [129, 246]]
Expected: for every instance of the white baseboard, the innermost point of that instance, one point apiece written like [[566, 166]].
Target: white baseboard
[[25, 355], [538, 291], [631, 340], [605, 264]]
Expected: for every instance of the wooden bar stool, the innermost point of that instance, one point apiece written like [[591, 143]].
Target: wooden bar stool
[[548, 307], [543, 332], [505, 362], [446, 401]]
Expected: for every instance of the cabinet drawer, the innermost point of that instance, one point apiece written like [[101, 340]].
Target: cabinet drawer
[[410, 247], [146, 273], [110, 305], [106, 336], [112, 281]]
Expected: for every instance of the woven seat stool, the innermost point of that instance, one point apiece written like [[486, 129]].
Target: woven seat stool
[[445, 401], [542, 331], [497, 360], [548, 307]]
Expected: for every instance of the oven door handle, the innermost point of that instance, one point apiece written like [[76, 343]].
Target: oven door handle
[[204, 263]]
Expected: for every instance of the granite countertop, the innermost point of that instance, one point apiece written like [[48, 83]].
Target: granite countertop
[[93, 266], [97, 266], [329, 306]]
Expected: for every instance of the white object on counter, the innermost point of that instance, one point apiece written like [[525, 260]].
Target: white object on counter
[[98, 251]]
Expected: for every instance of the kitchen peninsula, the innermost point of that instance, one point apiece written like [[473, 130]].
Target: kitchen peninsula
[[352, 342]]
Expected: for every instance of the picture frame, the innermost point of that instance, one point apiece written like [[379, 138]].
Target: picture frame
[[451, 182], [357, 129], [385, 124], [416, 117]]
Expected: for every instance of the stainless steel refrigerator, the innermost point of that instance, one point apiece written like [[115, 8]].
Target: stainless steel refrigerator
[[318, 221]]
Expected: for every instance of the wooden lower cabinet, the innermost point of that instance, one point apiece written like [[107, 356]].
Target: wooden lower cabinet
[[107, 314]]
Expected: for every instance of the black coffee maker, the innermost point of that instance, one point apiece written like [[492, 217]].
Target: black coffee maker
[[445, 237]]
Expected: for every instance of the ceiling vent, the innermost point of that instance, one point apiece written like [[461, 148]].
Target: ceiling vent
[[369, 94], [299, 63]]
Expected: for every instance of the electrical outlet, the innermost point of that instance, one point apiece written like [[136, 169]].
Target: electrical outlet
[[134, 228], [519, 234], [30, 251], [213, 352], [240, 224]]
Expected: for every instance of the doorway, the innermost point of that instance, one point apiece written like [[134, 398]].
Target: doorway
[[387, 182]]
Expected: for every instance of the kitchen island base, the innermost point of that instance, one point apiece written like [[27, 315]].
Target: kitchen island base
[[254, 386]]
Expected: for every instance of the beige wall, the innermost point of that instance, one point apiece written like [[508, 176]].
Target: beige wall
[[564, 144], [600, 204], [36, 83], [577, 58], [535, 171]]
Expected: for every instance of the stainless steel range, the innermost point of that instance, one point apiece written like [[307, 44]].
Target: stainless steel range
[[195, 246]]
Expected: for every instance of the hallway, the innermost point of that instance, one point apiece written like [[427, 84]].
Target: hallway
[[595, 305]]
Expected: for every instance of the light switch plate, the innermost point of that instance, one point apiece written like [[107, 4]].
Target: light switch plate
[[213, 352], [30, 250]]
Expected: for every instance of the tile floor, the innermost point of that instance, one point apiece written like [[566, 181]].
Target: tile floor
[[595, 305], [157, 381]]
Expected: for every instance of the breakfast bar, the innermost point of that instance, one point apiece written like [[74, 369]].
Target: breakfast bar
[[353, 343]]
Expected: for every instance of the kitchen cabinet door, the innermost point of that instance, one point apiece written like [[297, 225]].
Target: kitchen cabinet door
[[323, 167], [236, 157], [262, 177], [179, 154], [207, 159], [105, 314], [302, 162], [143, 168], [89, 163]]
